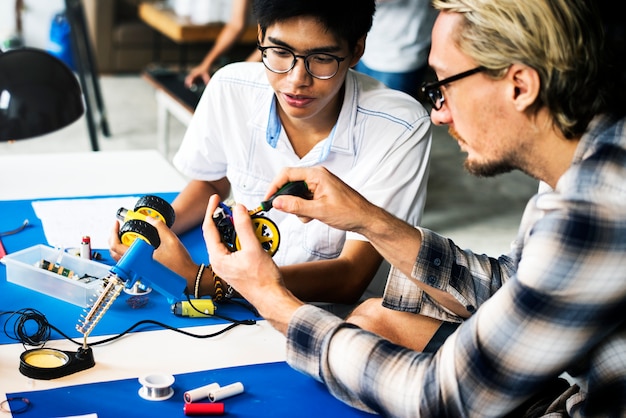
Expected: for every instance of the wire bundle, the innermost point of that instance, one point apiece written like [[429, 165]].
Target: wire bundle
[[29, 327]]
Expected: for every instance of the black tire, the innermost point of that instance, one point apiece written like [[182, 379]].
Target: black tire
[[156, 207], [136, 228]]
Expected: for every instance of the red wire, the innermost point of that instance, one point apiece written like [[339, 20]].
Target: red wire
[[3, 251]]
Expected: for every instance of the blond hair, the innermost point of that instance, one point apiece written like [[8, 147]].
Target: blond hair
[[560, 39]]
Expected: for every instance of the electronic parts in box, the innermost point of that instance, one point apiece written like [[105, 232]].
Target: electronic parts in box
[[56, 273]]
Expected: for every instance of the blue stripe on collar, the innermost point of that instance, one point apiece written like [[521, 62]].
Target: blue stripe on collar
[[273, 125]]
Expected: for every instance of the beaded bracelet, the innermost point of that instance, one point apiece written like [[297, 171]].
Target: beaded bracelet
[[196, 289], [219, 288], [230, 292]]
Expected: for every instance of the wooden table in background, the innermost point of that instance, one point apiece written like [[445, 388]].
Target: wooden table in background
[[181, 30], [171, 101]]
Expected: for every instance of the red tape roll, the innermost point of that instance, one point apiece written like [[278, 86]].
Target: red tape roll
[[203, 409]]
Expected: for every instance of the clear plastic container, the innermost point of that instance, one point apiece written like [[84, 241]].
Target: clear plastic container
[[23, 268]]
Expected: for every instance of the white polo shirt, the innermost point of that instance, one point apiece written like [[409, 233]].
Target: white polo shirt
[[399, 40], [379, 146]]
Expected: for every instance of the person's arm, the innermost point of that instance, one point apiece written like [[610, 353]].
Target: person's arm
[[495, 360], [171, 252], [251, 270], [497, 357], [353, 363], [338, 205], [339, 280], [230, 33], [191, 203], [189, 206]]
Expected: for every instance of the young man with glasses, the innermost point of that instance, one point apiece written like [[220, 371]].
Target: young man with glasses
[[304, 106], [524, 85]]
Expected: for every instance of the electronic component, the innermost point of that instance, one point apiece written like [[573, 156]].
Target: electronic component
[[85, 247], [294, 188], [194, 308]]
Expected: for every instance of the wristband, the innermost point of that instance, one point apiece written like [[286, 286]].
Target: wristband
[[196, 288]]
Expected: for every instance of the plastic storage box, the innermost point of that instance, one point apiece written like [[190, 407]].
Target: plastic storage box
[[23, 269]]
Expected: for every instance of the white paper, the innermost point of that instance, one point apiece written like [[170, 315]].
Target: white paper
[[66, 221], [94, 415]]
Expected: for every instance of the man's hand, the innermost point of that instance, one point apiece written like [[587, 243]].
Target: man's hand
[[200, 72], [334, 202], [251, 270], [171, 253], [338, 205]]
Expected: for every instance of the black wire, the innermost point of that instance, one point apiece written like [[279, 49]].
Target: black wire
[[20, 333], [149, 321], [235, 321], [42, 332], [245, 304]]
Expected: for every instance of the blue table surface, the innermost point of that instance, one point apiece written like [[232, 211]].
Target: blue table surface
[[121, 315], [271, 390]]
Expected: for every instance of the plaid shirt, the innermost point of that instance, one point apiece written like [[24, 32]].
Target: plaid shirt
[[555, 304]]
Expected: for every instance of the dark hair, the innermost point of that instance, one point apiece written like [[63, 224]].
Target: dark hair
[[347, 19], [615, 55]]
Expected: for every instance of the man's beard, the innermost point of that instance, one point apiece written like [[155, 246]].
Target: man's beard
[[484, 169], [487, 169]]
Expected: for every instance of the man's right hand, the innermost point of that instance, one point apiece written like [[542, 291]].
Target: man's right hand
[[334, 202]]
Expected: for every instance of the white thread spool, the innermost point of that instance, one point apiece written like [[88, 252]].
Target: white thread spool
[[156, 386], [200, 393], [226, 392]]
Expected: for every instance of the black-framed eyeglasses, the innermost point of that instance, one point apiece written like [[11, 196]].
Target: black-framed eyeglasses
[[281, 60], [433, 90]]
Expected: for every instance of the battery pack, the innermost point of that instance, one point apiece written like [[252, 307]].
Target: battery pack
[[194, 308]]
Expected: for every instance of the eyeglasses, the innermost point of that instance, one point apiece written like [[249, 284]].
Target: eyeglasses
[[433, 90], [281, 60]]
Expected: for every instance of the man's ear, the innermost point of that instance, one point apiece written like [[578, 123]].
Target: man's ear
[[260, 34], [526, 85], [358, 51]]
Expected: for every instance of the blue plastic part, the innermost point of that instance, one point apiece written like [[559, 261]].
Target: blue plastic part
[[137, 264], [226, 209]]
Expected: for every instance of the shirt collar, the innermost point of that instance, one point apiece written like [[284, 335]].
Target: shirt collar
[[341, 138]]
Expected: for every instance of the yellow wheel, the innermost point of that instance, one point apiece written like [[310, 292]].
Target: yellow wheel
[[136, 228], [156, 207], [267, 233]]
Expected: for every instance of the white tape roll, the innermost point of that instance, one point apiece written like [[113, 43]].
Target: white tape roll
[[200, 393], [226, 392]]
